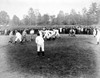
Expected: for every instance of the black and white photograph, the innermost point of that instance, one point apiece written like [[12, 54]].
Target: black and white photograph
[[49, 38]]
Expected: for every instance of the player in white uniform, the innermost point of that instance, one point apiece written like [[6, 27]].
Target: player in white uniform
[[94, 32], [46, 36], [56, 33], [40, 44], [18, 37], [98, 36]]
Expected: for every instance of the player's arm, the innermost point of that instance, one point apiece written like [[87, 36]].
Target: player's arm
[[36, 40]]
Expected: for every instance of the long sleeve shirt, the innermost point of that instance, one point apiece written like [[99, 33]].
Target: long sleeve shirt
[[18, 35], [39, 40]]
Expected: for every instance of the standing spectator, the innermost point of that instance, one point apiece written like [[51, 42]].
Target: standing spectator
[[24, 36], [98, 36], [81, 30], [60, 30], [11, 36], [5, 32], [40, 44], [94, 32], [31, 33]]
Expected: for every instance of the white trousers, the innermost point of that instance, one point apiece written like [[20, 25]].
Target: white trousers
[[18, 38], [98, 39], [40, 47]]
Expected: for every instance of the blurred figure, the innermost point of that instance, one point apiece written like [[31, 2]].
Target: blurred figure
[[24, 33], [31, 33], [94, 32], [60, 30], [5, 32], [18, 37], [56, 33], [72, 32], [11, 36]]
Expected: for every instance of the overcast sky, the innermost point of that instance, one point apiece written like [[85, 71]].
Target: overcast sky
[[52, 7]]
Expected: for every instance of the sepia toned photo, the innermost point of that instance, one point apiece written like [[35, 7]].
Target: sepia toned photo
[[49, 38]]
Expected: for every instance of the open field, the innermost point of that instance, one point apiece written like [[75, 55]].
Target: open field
[[66, 57]]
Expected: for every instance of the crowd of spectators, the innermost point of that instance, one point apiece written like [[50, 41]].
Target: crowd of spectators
[[62, 30]]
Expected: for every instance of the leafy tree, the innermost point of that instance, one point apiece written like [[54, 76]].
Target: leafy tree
[[92, 14], [45, 19], [84, 16], [26, 20], [32, 16], [66, 20], [60, 18], [52, 19], [78, 18], [37, 16], [73, 15], [15, 20], [4, 18], [98, 14], [39, 19]]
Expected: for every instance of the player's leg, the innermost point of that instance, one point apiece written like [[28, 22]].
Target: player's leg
[[42, 48], [31, 38], [98, 38], [11, 39], [38, 49], [16, 39], [23, 38], [20, 39]]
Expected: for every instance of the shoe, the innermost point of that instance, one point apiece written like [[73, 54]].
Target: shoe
[[42, 53], [21, 42], [38, 53]]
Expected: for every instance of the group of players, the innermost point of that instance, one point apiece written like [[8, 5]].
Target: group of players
[[47, 34], [20, 37], [44, 34]]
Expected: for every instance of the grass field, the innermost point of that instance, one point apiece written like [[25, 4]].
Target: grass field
[[66, 57]]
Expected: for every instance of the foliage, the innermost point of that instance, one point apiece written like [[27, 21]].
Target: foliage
[[4, 18], [15, 20], [86, 17]]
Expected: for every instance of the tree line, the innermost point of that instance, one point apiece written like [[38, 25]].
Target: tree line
[[86, 17]]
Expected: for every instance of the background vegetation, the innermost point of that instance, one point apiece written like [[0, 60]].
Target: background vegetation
[[89, 16]]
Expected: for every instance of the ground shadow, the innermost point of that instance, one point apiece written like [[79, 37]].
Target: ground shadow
[[61, 61]]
